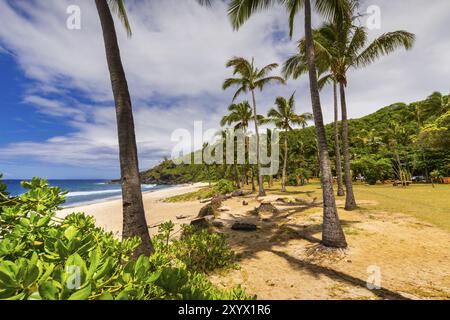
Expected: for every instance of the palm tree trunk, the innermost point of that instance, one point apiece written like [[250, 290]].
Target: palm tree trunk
[[350, 203], [236, 176], [283, 179], [244, 167], [134, 221], [253, 179], [261, 191], [332, 233], [337, 149]]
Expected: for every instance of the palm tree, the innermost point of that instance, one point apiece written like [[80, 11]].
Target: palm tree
[[296, 66], [134, 221], [342, 46], [251, 78], [240, 115], [240, 11], [284, 116], [224, 135]]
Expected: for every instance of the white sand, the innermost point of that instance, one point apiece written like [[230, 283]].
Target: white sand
[[108, 214]]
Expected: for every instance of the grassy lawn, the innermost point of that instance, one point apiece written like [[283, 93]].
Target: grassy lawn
[[203, 193], [421, 201]]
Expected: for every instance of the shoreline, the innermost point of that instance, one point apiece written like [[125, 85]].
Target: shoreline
[[117, 197], [108, 213]]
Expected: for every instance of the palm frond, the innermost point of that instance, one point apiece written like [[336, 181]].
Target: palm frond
[[118, 7], [232, 82], [206, 3], [293, 7], [295, 66], [384, 45], [323, 81], [265, 71], [260, 83], [357, 42], [240, 11]]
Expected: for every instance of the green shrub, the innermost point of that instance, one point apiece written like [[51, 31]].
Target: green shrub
[[300, 177], [224, 186], [373, 169], [44, 257]]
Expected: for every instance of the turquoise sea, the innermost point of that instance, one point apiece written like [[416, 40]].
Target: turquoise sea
[[83, 191]]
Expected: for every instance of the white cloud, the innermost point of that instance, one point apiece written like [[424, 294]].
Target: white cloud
[[55, 108], [175, 65]]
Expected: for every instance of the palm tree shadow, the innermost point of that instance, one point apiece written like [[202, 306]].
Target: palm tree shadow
[[317, 270], [272, 234]]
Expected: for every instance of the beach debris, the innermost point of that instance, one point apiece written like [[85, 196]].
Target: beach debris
[[155, 225], [243, 226], [202, 222], [267, 207], [244, 203], [207, 210], [218, 224], [265, 211], [180, 217], [238, 193], [211, 208], [216, 202]]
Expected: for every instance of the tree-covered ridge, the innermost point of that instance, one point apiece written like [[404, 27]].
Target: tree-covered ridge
[[417, 134]]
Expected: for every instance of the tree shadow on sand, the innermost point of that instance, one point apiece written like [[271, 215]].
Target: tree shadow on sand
[[280, 230], [317, 270]]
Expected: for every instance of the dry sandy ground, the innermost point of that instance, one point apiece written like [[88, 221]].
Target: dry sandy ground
[[108, 214], [283, 258]]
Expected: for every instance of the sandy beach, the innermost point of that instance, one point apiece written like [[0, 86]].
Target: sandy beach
[[108, 214]]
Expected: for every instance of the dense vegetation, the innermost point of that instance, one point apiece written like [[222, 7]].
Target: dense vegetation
[[409, 137], [46, 257]]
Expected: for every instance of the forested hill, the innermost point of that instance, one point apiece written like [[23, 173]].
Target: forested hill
[[414, 137]]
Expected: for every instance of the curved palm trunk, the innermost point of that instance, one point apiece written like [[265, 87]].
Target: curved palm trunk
[[283, 179], [332, 233], [337, 149], [261, 191], [350, 202], [134, 222]]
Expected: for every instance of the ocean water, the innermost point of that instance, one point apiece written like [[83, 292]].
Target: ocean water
[[83, 191]]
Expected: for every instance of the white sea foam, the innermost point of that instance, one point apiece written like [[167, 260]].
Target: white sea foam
[[88, 193], [111, 191]]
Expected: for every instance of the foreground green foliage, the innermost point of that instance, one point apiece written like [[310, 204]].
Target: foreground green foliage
[[43, 257]]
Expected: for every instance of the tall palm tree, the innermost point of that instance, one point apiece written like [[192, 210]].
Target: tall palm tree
[[284, 116], [295, 67], [224, 135], [240, 11], [134, 221], [240, 114], [341, 45], [251, 78]]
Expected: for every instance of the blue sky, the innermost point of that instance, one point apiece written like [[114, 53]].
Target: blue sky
[[58, 119]]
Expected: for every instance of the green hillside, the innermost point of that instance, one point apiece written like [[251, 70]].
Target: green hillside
[[414, 137]]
